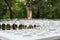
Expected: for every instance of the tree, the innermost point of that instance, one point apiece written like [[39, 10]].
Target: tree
[[10, 9], [3, 9], [28, 8]]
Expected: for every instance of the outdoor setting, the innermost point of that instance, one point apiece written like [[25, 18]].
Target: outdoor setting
[[29, 19]]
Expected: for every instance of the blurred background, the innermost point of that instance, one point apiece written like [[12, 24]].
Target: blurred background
[[49, 9]]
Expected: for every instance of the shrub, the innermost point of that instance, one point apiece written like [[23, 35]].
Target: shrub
[[24, 26], [20, 26], [0, 26], [3, 26], [8, 27], [35, 26], [30, 27], [14, 26]]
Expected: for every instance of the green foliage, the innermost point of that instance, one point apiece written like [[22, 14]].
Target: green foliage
[[40, 9], [47, 9], [19, 9], [3, 9]]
